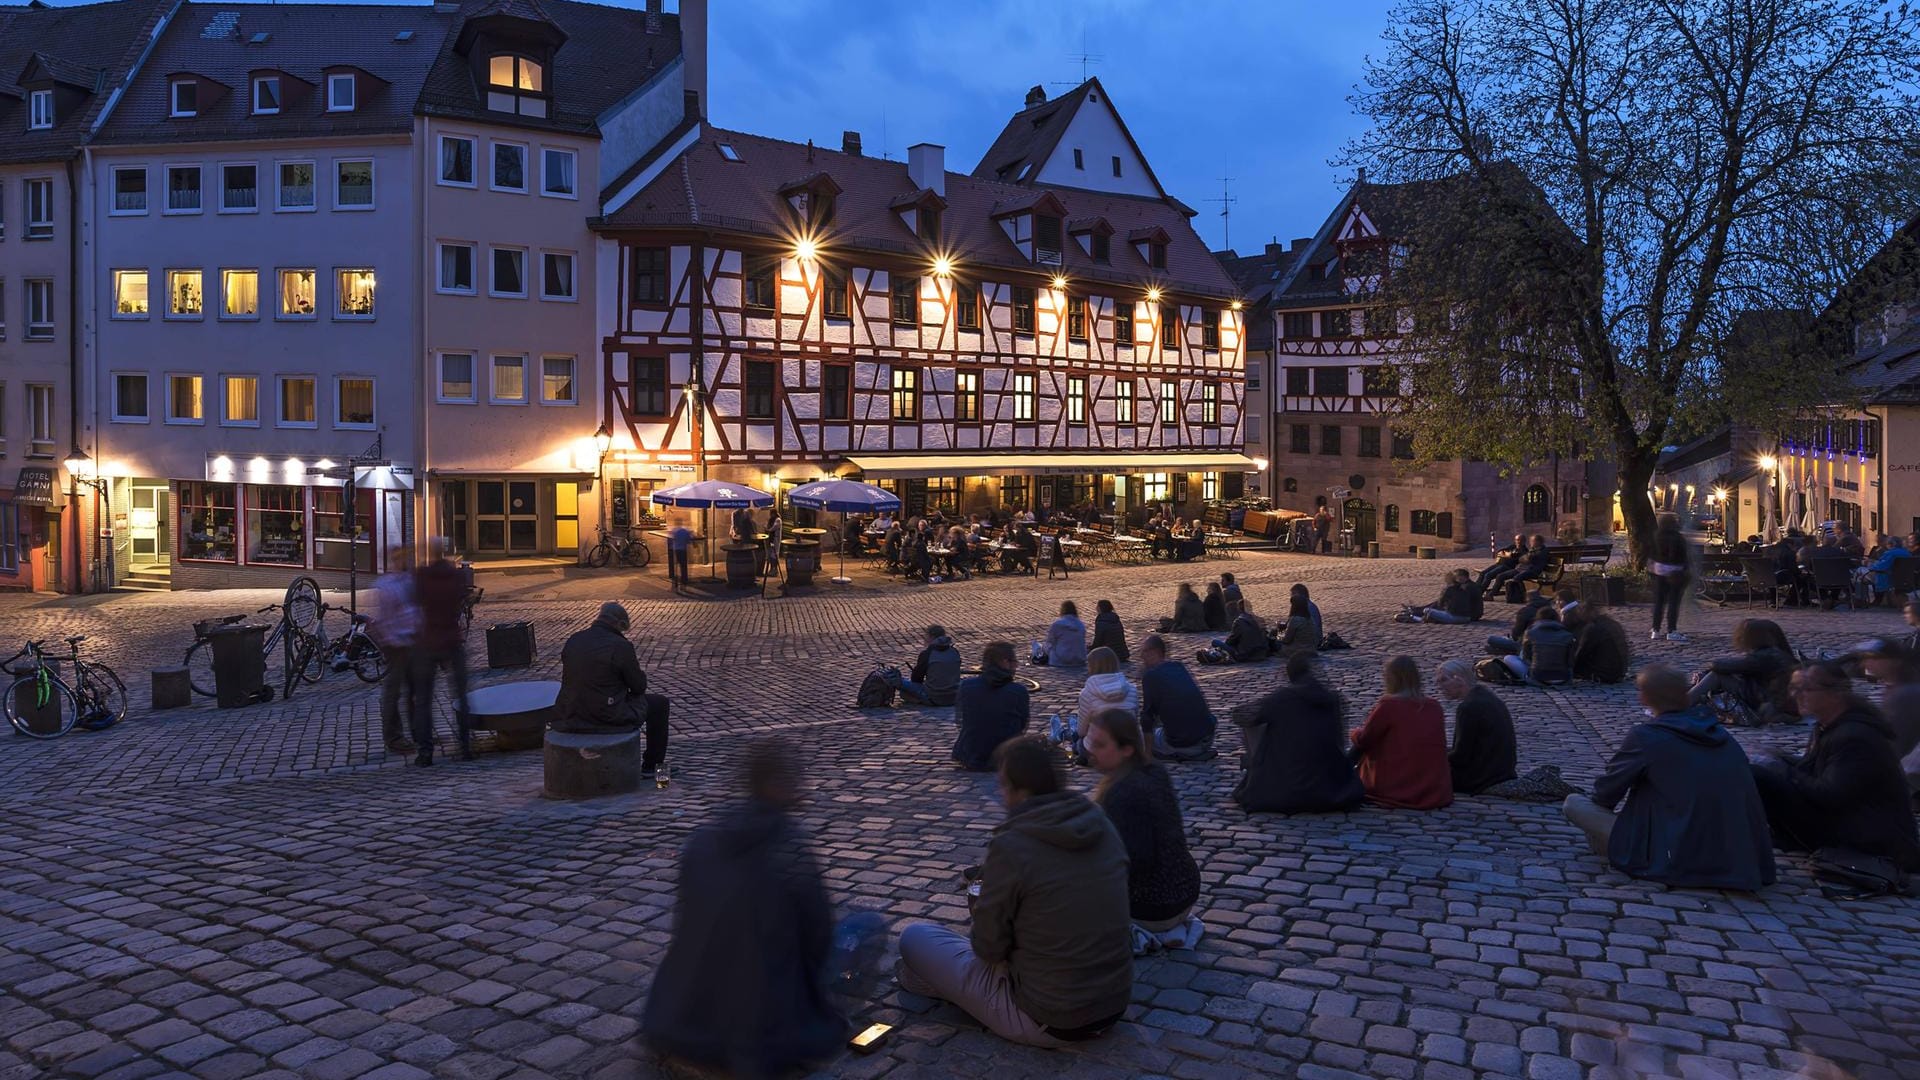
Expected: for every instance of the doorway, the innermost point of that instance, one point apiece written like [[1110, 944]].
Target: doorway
[[149, 526], [506, 517], [1359, 516]]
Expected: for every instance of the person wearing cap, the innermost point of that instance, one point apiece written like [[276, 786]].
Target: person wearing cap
[[602, 688]]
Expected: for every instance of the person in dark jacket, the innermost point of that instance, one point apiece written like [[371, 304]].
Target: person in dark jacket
[[1296, 597], [1758, 676], [1693, 817], [1546, 656], [743, 985], [1214, 608], [1189, 613], [1485, 751], [1163, 881], [1504, 561], [935, 678], [1848, 790], [440, 590], [1896, 666], [603, 689], [1050, 957], [1231, 595], [1108, 633], [1522, 622], [991, 708], [1296, 757], [1601, 651], [1670, 573], [1173, 711], [1247, 640], [1455, 605]]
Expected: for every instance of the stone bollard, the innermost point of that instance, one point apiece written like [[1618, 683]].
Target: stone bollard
[[581, 766], [172, 688]]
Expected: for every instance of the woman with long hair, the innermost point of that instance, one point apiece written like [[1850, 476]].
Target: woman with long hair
[[1163, 882], [1401, 751], [1757, 676]]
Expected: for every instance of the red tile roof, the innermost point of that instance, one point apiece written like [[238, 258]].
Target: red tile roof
[[88, 46]]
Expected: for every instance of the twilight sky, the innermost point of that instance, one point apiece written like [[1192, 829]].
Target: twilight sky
[[1253, 89]]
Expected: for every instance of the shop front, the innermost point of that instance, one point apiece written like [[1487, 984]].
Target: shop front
[[1126, 487], [506, 517], [30, 520]]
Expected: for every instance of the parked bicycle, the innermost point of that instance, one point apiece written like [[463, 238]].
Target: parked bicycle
[[353, 651], [42, 704], [299, 615], [629, 547]]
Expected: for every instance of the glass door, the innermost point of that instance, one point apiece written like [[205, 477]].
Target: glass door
[[147, 525]]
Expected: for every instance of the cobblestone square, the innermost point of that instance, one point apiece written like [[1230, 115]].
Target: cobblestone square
[[266, 892]]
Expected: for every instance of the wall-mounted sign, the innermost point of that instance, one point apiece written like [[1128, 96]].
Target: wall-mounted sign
[[35, 486]]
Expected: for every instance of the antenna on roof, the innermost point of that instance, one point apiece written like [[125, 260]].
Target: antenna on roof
[[1226, 199], [1084, 58]]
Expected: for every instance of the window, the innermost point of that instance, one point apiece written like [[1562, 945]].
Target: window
[[927, 222], [1422, 523], [456, 269], [1330, 381], [1046, 238], [1169, 327], [833, 294], [966, 306], [1209, 403], [1024, 406], [207, 521], [239, 294], [185, 297], [1370, 442], [39, 309], [129, 294], [456, 377], [1022, 309], [1169, 402], [1079, 158], [1157, 255], [1076, 318], [1253, 374], [650, 386], [296, 294], [509, 380], [353, 402], [1330, 439], [1570, 499], [10, 523], [1101, 248], [354, 290], [239, 190], [456, 161], [758, 284], [1116, 164], [649, 282], [1299, 381], [183, 189], [836, 392], [297, 408], [1296, 324], [1390, 519], [295, 191], [509, 272], [39, 209], [1016, 491], [130, 397], [184, 405], [353, 185], [330, 524], [1536, 505], [1443, 525], [1209, 328], [906, 393], [1381, 322], [1335, 324], [340, 93], [1155, 487], [1252, 422], [40, 110], [727, 151], [276, 525], [185, 98], [1402, 446], [1123, 401], [242, 394], [514, 73], [266, 95], [1076, 399], [757, 396], [556, 275], [1302, 439], [557, 173], [1122, 322], [906, 301], [1379, 380], [130, 190], [509, 167], [966, 396]]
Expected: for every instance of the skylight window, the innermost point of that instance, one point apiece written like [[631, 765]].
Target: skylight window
[[727, 151]]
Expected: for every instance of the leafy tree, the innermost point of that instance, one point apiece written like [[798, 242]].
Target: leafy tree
[[1601, 187]]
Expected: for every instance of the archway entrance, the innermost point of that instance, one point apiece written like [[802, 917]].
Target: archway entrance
[[1359, 517]]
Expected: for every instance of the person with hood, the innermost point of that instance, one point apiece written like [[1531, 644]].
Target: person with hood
[[1066, 644], [1296, 756], [1105, 690], [1758, 677], [1693, 818], [1107, 631], [1485, 751], [1163, 881], [1401, 751], [1668, 566], [1050, 957], [603, 689], [1848, 790], [1246, 640], [935, 678], [1601, 648], [1213, 609], [991, 708], [750, 908], [1173, 711]]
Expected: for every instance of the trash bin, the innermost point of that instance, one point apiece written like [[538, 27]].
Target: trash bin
[[239, 666], [510, 644]]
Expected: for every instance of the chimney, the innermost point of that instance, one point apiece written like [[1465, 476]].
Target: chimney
[[1274, 251], [1362, 174], [1036, 96], [927, 166], [1300, 243], [850, 143], [654, 8], [689, 105], [693, 50]]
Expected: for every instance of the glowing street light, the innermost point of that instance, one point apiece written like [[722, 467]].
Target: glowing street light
[[1059, 281], [942, 266]]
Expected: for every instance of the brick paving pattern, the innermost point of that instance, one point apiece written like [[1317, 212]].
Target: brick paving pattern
[[265, 892]]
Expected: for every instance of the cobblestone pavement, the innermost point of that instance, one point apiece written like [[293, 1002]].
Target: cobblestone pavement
[[264, 892]]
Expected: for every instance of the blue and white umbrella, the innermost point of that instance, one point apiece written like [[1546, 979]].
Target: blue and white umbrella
[[712, 495], [845, 496]]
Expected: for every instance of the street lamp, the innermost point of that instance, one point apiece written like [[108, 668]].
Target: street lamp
[[81, 469], [602, 442]]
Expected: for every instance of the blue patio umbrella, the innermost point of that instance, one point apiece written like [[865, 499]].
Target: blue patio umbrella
[[845, 496], [712, 495]]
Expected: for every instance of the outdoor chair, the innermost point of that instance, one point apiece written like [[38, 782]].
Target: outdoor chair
[[1832, 577], [1761, 580]]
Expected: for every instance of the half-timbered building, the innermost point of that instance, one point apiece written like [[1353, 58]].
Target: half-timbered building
[[1047, 331]]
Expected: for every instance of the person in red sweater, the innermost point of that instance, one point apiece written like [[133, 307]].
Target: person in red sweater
[[1401, 751]]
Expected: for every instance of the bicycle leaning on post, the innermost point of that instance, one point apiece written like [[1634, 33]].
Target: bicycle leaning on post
[[292, 633], [354, 650], [95, 699]]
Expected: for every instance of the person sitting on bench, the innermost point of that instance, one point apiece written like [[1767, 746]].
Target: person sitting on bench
[[1506, 559], [602, 688], [1532, 564]]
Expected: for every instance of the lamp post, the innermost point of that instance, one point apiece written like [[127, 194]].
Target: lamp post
[[81, 469], [602, 442]]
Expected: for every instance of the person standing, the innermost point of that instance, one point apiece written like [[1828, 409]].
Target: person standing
[[603, 689], [679, 544], [1485, 751], [775, 530], [1401, 751], [395, 626], [440, 589], [1668, 565]]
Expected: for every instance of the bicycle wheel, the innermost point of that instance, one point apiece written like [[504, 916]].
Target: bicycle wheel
[[99, 688], [636, 553], [301, 607], [318, 652], [369, 660], [599, 555], [47, 718], [199, 664], [295, 650]]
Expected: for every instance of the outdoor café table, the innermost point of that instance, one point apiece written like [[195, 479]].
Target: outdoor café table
[[1070, 548], [808, 534], [803, 558], [743, 561], [1132, 548]]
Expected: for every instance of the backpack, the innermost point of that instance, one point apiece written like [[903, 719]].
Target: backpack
[[878, 688], [1333, 642], [1493, 669], [1847, 874]]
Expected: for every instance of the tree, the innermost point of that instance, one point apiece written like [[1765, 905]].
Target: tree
[[1604, 186]]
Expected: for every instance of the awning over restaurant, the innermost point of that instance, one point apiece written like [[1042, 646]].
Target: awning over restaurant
[[891, 467]]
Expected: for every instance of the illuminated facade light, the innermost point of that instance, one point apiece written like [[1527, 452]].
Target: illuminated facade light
[[942, 266], [1059, 281], [1153, 296], [1236, 305], [806, 249]]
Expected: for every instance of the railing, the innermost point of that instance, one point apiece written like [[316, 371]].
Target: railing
[[356, 194], [240, 198]]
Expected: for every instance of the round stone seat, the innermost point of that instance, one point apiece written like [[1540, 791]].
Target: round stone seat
[[517, 712], [586, 766]]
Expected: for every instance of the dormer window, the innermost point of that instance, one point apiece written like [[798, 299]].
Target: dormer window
[[40, 110], [340, 93], [266, 95], [1046, 238], [186, 98], [1157, 256], [1102, 248], [811, 202], [516, 84], [1151, 243], [928, 218]]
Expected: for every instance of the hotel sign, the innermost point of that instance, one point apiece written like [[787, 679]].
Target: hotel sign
[[35, 486]]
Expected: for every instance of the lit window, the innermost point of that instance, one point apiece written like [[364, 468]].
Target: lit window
[[296, 186], [966, 395], [514, 73], [297, 401], [557, 172], [40, 110], [239, 190], [184, 294], [242, 401], [183, 400], [1169, 402], [456, 268], [340, 93], [353, 185], [1209, 403], [130, 397], [1023, 309], [509, 380], [296, 294], [129, 294], [556, 275], [509, 167], [456, 160], [239, 294], [1123, 402], [1076, 318], [183, 189], [1122, 322], [130, 191], [1023, 396], [355, 290], [1076, 399], [456, 377], [186, 97], [353, 396], [266, 94], [906, 393], [509, 272], [556, 381]]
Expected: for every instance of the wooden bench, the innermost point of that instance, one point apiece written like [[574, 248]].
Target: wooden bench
[[1562, 557]]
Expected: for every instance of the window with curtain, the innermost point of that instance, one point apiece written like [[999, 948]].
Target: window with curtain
[[296, 294], [354, 398], [240, 294], [242, 393]]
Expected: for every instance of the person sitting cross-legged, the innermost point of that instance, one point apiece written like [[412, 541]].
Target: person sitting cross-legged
[[991, 708], [1485, 751], [1757, 678], [935, 679], [1105, 689], [1049, 960], [602, 688], [1246, 641], [1546, 654], [1189, 613], [1066, 644], [1296, 756], [1173, 711], [1213, 609], [1693, 816], [1401, 751], [1163, 881]]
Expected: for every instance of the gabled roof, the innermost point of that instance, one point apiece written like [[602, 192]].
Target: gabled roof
[[1094, 224], [1149, 234], [700, 188], [814, 181], [920, 198], [1033, 133], [1886, 372], [1030, 202], [88, 47]]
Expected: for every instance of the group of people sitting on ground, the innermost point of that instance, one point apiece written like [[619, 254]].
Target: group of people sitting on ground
[[1461, 600], [1248, 638], [1556, 640], [1170, 707]]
